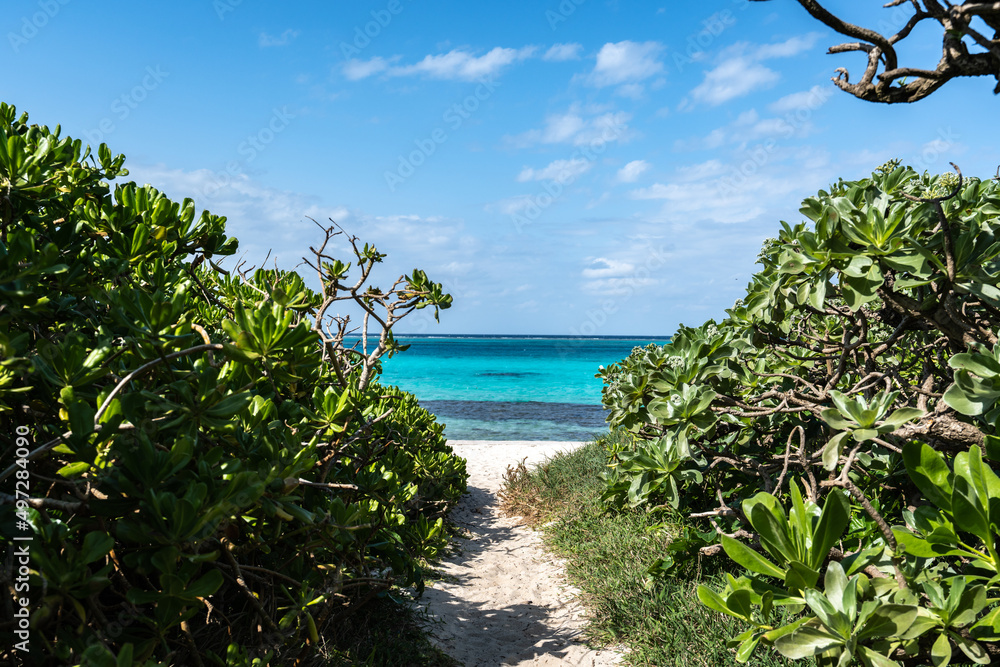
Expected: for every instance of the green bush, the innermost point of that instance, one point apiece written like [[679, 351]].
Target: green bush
[[836, 431], [209, 473]]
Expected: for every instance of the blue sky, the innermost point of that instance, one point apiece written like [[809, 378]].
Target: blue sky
[[574, 167]]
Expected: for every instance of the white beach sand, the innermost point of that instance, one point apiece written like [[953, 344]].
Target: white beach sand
[[503, 599]]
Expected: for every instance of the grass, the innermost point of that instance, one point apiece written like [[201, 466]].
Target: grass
[[659, 621]]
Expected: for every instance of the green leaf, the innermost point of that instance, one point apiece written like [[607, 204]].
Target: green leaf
[[832, 450], [876, 658], [773, 530], [889, 620], [806, 641], [73, 469], [988, 627], [836, 420], [800, 576], [206, 585], [739, 602], [982, 365], [835, 518], [970, 499], [96, 545], [773, 635], [831, 617], [970, 396], [928, 470], [862, 434], [750, 559], [921, 548], [900, 417], [746, 649], [992, 445], [972, 649], [712, 600]]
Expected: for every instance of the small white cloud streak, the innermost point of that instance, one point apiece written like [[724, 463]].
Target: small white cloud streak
[[563, 52], [456, 65], [560, 170], [630, 172], [265, 40], [626, 61]]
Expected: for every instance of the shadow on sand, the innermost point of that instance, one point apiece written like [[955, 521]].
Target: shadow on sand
[[496, 604]]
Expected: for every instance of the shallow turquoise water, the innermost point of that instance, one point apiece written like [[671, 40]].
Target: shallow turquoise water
[[509, 388]]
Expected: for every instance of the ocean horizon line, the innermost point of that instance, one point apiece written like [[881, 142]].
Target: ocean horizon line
[[519, 336]]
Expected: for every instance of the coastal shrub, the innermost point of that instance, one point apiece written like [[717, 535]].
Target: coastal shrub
[[198, 468], [837, 432]]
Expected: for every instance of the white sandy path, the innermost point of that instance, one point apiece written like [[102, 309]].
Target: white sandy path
[[505, 601]]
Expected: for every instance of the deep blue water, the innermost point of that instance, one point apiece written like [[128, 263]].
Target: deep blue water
[[509, 388]]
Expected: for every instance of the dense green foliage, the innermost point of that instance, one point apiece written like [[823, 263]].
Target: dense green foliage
[[835, 433], [608, 555], [208, 473]]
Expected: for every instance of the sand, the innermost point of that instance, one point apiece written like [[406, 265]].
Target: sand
[[502, 599]]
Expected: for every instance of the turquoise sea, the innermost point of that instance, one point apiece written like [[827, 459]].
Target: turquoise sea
[[511, 387]]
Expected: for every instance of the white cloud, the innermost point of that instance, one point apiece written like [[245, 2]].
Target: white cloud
[[696, 172], [529, 306], [602, 267], [790, 47], [265, 40], [739, 71], [638, 265], [626, 61], [560, 170], [355, 70], [701, 200], [631, 90], [794, 122], [810, 100], [561, 127], [739, 189], [630, 173], [275, 224], [748, 117], [612, 126], [562, 52], [457, 64], [733, 78], [512, 205], [574, 127], [262, 218]]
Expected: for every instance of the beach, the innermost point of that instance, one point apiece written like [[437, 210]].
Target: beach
[[500, 598]]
